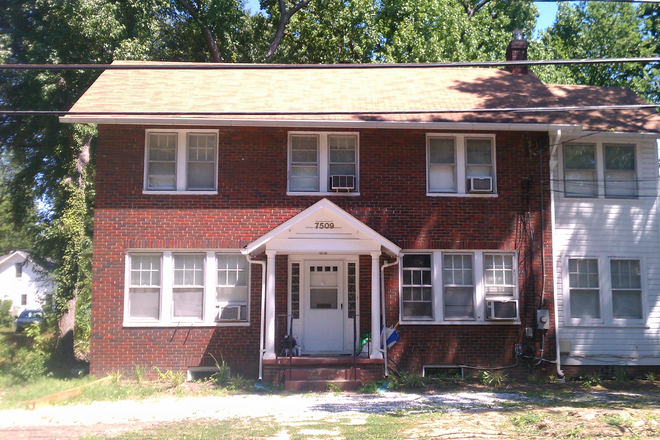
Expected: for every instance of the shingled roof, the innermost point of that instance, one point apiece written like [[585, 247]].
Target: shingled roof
[[360, 94]]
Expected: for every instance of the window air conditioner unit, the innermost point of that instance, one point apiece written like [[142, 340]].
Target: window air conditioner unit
[[480, 184], [229, 313], [502, 310], [342, 183]]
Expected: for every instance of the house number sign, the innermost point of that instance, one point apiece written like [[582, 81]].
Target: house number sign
[[324, 225]]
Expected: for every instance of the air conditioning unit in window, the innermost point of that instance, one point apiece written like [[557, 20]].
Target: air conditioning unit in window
[[480, 184], [230, 313], [506, 309], [342, 183]]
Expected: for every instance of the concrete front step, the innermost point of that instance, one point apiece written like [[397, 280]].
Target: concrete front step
[[328, 374], [322, 385]]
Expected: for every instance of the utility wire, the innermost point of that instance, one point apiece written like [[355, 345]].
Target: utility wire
[[154, 65]]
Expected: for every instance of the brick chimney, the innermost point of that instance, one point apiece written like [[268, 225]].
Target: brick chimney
[[517, 51]]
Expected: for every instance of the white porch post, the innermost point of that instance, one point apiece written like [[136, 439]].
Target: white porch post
[[270, 305], [375, 307]]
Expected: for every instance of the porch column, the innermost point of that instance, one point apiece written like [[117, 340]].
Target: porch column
[[270, 305], [375, 307]]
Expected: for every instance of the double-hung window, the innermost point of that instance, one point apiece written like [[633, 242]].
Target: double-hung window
[[323, 163], [460, 164], [181, 161], [196, 288], [605, 291], [450, 287], [600, 170]]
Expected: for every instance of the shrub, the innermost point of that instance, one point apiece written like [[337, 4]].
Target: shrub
[[591, 380], [220, 377], [412, 380], [6, 320], [173, 378], [494, 379], [26, 362]]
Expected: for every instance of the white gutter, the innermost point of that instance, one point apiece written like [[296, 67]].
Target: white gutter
[[556, 140], [263, 309], [382, 306], [320, 123]]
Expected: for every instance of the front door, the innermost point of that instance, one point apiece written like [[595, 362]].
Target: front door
[[324, 307]]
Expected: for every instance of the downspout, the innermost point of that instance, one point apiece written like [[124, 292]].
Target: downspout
[[553, 166], [382, 307], [263, 309]]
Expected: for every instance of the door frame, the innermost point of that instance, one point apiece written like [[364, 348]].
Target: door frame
[[298, 324]]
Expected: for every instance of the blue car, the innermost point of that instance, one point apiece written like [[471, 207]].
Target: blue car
[[28, 317]]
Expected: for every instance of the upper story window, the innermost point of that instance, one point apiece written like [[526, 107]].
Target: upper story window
[[604, 291], [195, 288], [459, 287], [323, 163], [600, 170], [18, 268], [460, 164], [181, 160]]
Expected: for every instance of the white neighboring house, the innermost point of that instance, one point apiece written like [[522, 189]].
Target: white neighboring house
[[606, 245], [21, 282]]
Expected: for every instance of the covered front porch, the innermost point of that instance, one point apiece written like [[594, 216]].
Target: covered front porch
[[316, 263]]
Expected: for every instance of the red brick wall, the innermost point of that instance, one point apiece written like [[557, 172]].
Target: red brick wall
[[252, 200]]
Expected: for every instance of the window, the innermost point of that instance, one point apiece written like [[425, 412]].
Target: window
[[600, 170], [197, 288], [144, 287], [457, 287], [417, 287], [24, 299], [460, 164], [232, 288], [179, 160], [18, 268], [605, 291], [323, 162], [458, 292], [188, 287], [584, 288]]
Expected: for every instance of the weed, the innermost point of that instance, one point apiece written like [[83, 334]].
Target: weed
[[493, 379], [221, 377], [25, 359], [173, 378], [412, 380], [618, 420], [620, 374], [552, 379], [650, 376], [526, 419], [237, 383], [591, 380], [138, 373], [333, 388], [116, 376]]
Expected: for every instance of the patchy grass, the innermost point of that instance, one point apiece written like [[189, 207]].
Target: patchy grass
[[15, 395]]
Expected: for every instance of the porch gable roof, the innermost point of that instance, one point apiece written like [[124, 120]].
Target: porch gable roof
[[323, 227]]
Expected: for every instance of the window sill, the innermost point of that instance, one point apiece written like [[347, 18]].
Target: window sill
[[611, 325], [605, 199], [183, 193], [325, 193], [475, 195], [183, 324]]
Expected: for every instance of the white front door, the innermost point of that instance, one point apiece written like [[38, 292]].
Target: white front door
[[324, 307]]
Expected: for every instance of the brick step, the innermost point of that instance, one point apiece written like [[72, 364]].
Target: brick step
[[330, 374], [322, 385]]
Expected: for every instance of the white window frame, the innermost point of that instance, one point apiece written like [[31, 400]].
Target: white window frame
[[605, 295], [218, 305], [181, 162], [600, 171], [166, 318], [478, 280], [421, 285], [460, 164], [18, 268], [324, 163]]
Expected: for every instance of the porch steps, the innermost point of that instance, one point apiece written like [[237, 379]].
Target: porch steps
[[322, 379]]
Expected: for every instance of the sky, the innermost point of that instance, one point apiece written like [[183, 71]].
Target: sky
[[547, 12]]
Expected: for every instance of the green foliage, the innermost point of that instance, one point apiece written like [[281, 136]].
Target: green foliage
[[620, 374], [650, 376], [411, 380], [591, 380], [222, 376], [6, 319], [238, 383], [25, 359], [493, 379], [525, 420], [138, 373], [171, 377]]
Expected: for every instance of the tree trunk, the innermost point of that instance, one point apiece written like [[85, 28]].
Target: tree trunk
[[66, 323], [285, 16]]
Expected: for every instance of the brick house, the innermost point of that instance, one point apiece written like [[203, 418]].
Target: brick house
[[238, 205]]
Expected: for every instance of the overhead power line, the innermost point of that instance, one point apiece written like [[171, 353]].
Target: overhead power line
[[332, 112], [153, 65]]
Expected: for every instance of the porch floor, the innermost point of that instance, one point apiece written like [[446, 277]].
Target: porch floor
[[309, 361]]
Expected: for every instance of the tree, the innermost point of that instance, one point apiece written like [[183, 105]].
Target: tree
[[597, 30]]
